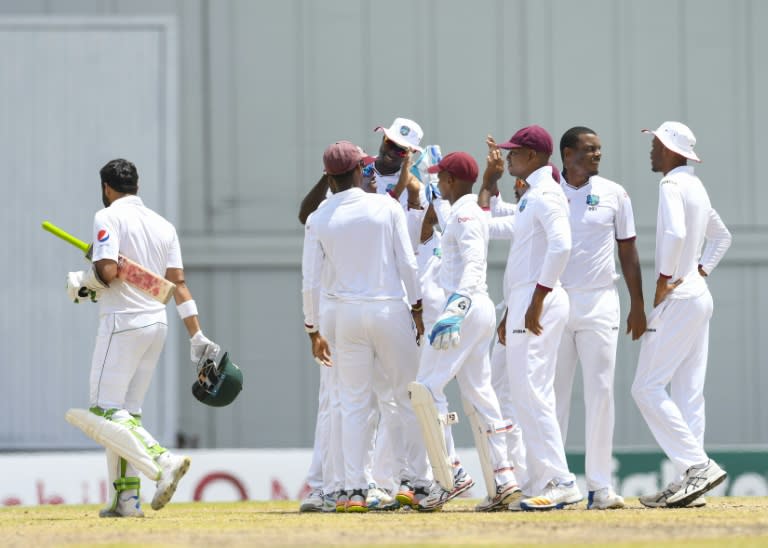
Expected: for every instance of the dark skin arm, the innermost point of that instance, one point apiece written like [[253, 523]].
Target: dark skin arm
[[501, 331], [313, 198], [320, 349], [533, 314], [493, 172], [630, 267]]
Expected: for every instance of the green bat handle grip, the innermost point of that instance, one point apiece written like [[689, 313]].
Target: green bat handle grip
[[66, 236]]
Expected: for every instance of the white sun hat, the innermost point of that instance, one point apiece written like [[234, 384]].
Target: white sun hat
[[404, 133], [676, 137]]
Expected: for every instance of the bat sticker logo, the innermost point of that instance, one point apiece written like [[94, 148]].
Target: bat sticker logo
[[102, 236]]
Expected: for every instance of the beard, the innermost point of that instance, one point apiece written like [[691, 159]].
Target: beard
[[104, 199]]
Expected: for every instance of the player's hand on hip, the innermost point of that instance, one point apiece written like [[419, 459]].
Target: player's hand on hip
[[201, 349], [445, 332], [663, 288]]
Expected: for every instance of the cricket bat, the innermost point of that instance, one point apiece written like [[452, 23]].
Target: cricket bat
[[129, 271]]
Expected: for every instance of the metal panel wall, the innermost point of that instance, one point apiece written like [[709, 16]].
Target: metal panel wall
[[76, 93], [265, 86]]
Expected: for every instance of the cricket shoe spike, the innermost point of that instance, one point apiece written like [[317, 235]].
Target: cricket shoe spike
[[173, 468]]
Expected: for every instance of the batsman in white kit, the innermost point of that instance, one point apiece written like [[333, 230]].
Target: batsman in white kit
[[131, 333], [459, 342], [691, 239]]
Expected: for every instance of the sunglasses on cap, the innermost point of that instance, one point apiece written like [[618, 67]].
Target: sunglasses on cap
[[368, 170], [400, 151]]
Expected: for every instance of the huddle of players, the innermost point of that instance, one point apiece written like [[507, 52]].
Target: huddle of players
[[381, 275]]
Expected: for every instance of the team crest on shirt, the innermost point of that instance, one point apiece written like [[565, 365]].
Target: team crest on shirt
[[102, 236], [437, 252], [593, 199], [522, 205]]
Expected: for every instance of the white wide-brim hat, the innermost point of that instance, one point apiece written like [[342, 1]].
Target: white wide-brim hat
[[404, 133], [676, 137]]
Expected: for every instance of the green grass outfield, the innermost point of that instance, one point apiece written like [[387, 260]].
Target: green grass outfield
[[725, 521]]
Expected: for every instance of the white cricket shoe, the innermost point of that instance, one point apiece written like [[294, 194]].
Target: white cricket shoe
[[697, 481], [604, 499], [172, 468], [435, 499], [128, 507], [313, 502], [379, 499], [505, 496], [556, 495], [659, 500], [461, 482]]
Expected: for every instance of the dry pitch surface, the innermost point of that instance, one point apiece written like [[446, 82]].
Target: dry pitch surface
[[723, 522]]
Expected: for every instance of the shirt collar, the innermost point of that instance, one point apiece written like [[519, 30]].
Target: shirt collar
[[128, 199], [681, 169], [543, 174]]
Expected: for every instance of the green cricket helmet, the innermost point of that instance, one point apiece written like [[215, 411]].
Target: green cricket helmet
[[218, 385]]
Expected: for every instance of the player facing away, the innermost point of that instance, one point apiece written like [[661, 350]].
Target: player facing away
[[537, 309], [459, 342], [363, 238], [690, 242], [601, 220], [131, 333]]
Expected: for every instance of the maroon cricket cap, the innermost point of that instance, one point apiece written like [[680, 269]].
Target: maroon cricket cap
[[343, 156], [534, 137], [459, 164]]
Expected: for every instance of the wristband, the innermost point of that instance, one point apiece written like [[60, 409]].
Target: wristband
[[187, 309], [310, 329]]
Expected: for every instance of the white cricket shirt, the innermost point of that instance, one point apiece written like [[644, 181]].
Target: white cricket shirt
[[541, 241], [365, 239], [600, 214], [465, 249], [684, 221], [127, 227]]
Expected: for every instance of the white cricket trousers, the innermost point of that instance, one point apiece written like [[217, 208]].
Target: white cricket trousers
[[590, 337], [365, 331], [124, 358], [514, 436], [531, 361], [470, 364], [326, 468], [127, 349], [674, 351]]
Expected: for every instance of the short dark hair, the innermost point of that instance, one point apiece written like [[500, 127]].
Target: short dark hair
[[571, 137], [121, 175]]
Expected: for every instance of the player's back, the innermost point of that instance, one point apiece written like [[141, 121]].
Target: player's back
[[129, 228], [357, 233]]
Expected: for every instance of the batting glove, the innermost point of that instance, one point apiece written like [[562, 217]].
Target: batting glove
[[82, 286], [445, 332], [203, 349]]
